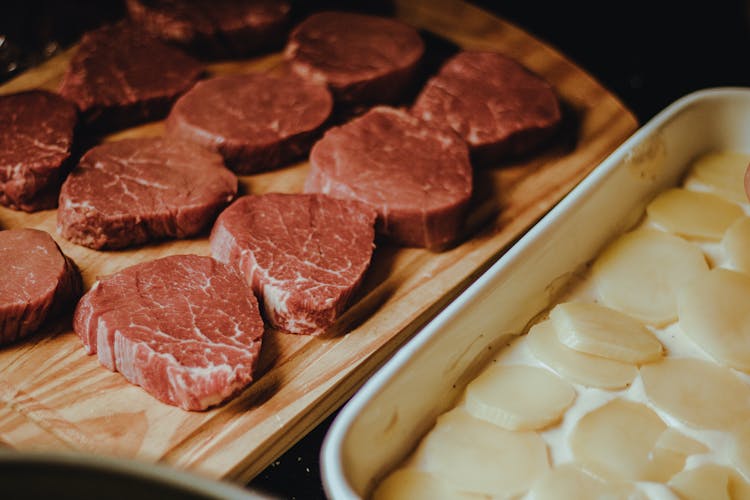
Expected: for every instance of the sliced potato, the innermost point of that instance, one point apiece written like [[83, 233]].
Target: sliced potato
[[693, 214], [568, 481], [705, 482], [476, 456], [699, 393], [740, 449], [601, 331], [722, 173], [711, 481], [663, 465], [739, 488], [736, 244], [409, 483], [670, 454], [519, 397], [640, 273], [714, 311], [578, 367], [673, 440], [615, 440]]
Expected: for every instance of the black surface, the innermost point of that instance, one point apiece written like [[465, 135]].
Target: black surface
[[34, 480], [648, 53]]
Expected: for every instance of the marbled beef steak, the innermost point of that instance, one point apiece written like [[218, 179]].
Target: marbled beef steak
[[135, 191], [499, 107], [36, 137], [38, 282], [255, 121], [304, 254], [120, 76], [364, 59], [416, 175], [217, 28], [185, 328]]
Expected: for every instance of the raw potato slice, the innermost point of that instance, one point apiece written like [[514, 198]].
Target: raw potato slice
[[518, 397], [640, 273], [705, 482], [699, 393], [722, 173], [477, 456], [413, 484], [670, 454], [570, 482], [739, 488], [578, 367], [714, 311], [740, 450], [693, 214], [736, 244], [674, 440], [601, 331], [615, 440], [663, 465]]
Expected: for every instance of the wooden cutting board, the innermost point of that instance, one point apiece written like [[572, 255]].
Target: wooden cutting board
[[53, 396]]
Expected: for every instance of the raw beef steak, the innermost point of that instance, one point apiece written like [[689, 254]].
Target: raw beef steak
[[304, 255], [416, 175], [36, 136], [139, 190], [38, 282], [255, 121], [218, 28], [498, 106], [120, 76], [185, 328], [364, 59]]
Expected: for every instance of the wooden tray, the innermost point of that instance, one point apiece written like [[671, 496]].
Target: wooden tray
[[54, 396]]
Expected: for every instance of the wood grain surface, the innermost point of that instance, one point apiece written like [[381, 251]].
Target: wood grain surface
[[54, 396]]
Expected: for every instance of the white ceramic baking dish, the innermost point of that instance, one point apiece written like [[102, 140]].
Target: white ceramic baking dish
[[383, 422]]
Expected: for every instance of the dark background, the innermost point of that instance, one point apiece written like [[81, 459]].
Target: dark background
[[649, 54]]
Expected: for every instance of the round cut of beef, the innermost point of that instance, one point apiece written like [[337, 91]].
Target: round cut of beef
[[135, 191], [120, 76], [364, 59], [498, 106], [303, 254], [217, 28], [416, 175], [38, 282], [255, 121], [185, 328], [36, 136]]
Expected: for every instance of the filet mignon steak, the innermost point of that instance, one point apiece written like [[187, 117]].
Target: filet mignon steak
[[255, 121], [120, 76], [364, 59], [134, 191], [214, 29], [36, 136], [303, 254], [416, 175], [38, 282], [499, 107], [185, 328]]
